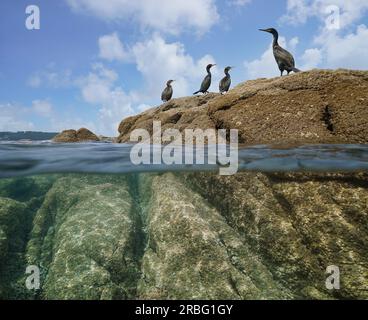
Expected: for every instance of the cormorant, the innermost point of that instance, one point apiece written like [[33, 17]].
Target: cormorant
[[207, 81], [284, 58], [225, 83], [168, 92]]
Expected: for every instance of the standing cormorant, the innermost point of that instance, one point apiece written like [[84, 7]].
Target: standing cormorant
[[207, 81], [225, 83], [168, 92], [284, 58]]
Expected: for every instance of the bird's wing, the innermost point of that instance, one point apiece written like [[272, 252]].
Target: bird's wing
[[225, 84], [163, 95], [284, 56], [166, 94], [206, 83]]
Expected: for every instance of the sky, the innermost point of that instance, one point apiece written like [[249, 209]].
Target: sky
[[92, 63]]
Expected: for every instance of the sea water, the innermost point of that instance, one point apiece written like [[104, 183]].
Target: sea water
[[32, 158], [86, 223]]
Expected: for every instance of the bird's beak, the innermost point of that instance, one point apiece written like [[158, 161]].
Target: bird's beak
[[264, 30]]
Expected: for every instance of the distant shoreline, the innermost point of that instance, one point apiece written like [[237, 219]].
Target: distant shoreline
[[27, 135]]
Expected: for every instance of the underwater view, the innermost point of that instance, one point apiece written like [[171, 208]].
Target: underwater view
[[96, 231]]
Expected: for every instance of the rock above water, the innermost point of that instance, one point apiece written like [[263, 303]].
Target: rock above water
[[319, 106], [73, 136]]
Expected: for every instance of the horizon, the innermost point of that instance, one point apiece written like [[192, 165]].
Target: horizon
[[92, 64]]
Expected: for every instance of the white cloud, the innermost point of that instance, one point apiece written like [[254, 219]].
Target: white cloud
[[14, 118], [156, 60], [335, 48], [311, 59], [239, 3], [169, 16], [332, 48], [159, 61], [299, 11], [42, 108], [111, 48], [99, 88], [50, 78], [345, 51]]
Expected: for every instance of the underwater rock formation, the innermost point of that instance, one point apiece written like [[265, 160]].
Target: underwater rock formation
[[319, 106], [19, 202], [84, 237], [189, 236]]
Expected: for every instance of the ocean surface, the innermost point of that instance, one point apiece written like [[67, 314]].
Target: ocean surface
[[32, 158]]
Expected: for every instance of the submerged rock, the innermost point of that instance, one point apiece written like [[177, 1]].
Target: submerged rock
[[19, 200], [189, 236], [86, 238], [12, 237], [192, 252], [72, 136], [319, 106], [299, 224]]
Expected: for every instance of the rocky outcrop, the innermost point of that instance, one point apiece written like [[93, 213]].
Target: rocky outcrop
[[318, 106], [188, 236], [73, 136]]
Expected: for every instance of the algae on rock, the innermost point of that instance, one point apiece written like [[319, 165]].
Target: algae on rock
[[84, 236], [187, 236]]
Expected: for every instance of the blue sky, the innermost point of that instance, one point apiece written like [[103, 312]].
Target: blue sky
[[94, 62]]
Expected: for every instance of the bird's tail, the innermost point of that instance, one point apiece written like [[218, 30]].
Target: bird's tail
[[196, 93], [296, 70]]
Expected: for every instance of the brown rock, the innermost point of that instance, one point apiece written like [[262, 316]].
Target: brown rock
[[67, 136], [72, 136], [319, 106], [86, 135]]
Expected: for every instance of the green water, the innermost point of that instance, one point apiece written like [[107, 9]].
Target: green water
[[184, 236]]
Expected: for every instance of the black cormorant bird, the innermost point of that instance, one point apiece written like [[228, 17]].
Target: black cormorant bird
[[225, 83], [284, 58], [207, 81], [168, 92]]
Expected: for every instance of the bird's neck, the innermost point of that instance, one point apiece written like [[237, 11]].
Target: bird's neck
[[227, 73], [275, 39]]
